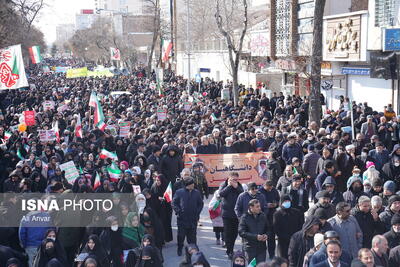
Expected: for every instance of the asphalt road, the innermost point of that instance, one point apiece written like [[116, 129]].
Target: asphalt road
[[215, 254]]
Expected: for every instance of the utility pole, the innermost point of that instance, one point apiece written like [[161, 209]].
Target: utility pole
[[188, 45], [175, 43]]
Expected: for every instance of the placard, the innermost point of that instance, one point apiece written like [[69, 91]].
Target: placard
[[71, 172], [47, 135], [124, 128], [29, 117], [113, 130], [187, 106], [48, 105], [161, 114], [136, 189]]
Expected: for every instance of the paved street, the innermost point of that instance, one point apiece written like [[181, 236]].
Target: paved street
[[206, 240]]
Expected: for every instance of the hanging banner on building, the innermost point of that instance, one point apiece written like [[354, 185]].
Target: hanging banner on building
[[124, 128], [251, 167], [260, 43], [29, 117]]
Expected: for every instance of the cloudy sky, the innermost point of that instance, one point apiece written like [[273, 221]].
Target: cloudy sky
[[59, 12]]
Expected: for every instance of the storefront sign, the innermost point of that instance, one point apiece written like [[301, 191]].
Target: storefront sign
[[391, 39], [356, 71], [343, 38]]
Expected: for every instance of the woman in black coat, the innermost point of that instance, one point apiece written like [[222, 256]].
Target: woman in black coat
[[161, 207], [153, 226], [49, 251], [111, 238], [95, 250]]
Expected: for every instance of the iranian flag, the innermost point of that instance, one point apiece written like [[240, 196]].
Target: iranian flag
[[97, 181], [34, 52], [57, 131], [107, 154], [7, 135], [98, 120], [161, 92], [19, 154], [253, 263], [213, 117], [12, 71], [168, 193], [114, 172], [115, 53], [167, 47], [78, 126]]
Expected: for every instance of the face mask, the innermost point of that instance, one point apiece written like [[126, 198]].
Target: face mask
[[397, 164], [146, 218], [114, 228], [197, 265], [310, 138], [50, 251], [287, 204], [363, 154], [52, 238]]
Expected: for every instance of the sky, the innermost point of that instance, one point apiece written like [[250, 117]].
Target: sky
[[59, 12]]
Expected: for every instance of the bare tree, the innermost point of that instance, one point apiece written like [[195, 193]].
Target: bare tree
[[154, 8], [232, 21], [28, 10], [316, 59]]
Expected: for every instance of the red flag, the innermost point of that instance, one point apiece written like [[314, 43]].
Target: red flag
[[29, 117]]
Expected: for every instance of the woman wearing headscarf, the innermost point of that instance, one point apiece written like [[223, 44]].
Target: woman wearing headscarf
[[95, 250], [133, 231], [148, 257], [153, 226], [133, 256], [49, 251], [198, 259], [162, 208], [111, 238], [38, 182], [190, 249]]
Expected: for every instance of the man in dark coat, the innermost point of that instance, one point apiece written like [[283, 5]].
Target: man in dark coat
[[229, 191], [206, 147], [171, 164], [242, 203], [334, 252], [368, 220], [254, 229], [324, 202], [284, 230], [392, 208], [379, 250], [155, 159], [328, 171], [310, 169], [292, 149], [330, 186], [273, 171], [354, 191], [393, 236], [302, 241], [187, 204], [394, 257], [298, 195]]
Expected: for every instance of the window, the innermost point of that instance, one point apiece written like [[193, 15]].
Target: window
[[283, 20], [384, 13]]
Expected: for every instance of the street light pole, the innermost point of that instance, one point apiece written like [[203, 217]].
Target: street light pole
[[188, 45]]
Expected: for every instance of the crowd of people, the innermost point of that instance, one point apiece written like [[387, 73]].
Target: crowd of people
[[327, 200]]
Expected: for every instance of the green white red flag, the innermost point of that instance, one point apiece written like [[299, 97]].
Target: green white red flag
[[12, 70], [7, 135], [253, 263], [167, 47], [78, 126], [98, 120], [97, 181], [115, 53], [168, 193], [114, 172], [107, 154], [35, 55]]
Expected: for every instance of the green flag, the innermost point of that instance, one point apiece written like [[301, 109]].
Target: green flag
[[253, 263]]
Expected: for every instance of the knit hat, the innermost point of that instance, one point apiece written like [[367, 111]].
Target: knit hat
[[395, 219], [323, 193], [321, 214], [285, 198], [393, 199], [125, 163], [318, 239], [311, 147], [377, 182], [390, 186], [369, 164]]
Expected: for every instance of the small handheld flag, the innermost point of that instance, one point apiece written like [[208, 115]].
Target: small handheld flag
[[168, 193]]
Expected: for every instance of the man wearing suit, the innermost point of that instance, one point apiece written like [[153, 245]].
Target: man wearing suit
[[334, 251], [368, 129]]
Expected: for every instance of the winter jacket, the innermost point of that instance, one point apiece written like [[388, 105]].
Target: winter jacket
[[208, 149], [156, 161], [368, 225], [249, 227], [310, 164], [187, 206], [292, 151], [299, 197], [350, 196], [273, 171], [379, 159], [300, 243], [347, 231], [229, 196], [171, 167], [242, 203], [321, 256], [283, 229], [394, 257], [319, 181], [336, 196], [283, 182], [386, 217], [393, 238], [33, 228]]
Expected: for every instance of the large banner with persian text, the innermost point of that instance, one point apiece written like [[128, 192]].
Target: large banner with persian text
[[251, 167]]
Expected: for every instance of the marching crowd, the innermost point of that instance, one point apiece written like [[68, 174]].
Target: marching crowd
[[327, 200]]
